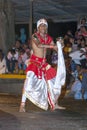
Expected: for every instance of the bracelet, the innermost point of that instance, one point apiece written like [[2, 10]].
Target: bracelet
[[51, 46]]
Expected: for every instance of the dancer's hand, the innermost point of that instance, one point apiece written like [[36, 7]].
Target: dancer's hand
[[60, 39]]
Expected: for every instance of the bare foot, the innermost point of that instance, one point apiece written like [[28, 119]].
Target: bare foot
[[59, 107], [22, 108]]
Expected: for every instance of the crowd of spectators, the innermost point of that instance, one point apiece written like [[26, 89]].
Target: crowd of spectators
[[75, 52], [14, 62]]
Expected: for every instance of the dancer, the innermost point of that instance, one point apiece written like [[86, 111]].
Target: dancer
[[43, 85]]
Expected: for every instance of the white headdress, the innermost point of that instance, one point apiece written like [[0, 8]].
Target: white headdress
[[42, 21]]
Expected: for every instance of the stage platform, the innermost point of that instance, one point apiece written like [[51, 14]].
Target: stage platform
[[11, 83], [12, 76]]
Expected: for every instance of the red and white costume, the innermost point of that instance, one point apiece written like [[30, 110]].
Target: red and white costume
[[43, 84]]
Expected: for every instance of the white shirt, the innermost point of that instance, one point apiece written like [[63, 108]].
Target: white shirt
[[2, 66]]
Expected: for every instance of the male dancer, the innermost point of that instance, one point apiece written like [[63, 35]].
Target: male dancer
[[42, 85]]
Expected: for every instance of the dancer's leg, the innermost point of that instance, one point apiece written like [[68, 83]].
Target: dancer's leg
[[57, 106], [23, 101]]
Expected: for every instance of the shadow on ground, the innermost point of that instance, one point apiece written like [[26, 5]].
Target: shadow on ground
[[8, 120]]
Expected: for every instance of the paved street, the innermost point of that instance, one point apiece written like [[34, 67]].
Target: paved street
[[73, 118]]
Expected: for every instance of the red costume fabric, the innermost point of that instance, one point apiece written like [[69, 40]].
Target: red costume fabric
[[48, 39], [39, 66]]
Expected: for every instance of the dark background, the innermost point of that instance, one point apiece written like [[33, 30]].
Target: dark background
[[54, 29]]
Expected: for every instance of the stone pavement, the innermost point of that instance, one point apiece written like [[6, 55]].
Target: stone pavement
[[73, 118]]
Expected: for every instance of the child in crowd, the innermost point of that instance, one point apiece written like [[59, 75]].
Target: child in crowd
[[11, 58], [21, 61]]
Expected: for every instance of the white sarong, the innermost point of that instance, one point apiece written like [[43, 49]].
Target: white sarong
[[42, 92]]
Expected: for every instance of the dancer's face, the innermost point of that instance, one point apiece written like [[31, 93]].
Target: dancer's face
[[42, 29]]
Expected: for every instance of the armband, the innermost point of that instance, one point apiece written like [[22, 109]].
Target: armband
[[36, 38]]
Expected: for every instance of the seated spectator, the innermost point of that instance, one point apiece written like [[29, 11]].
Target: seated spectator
[[80, 86], [81, 22], [76, 89], [77, 56], [84, 84], [84, 61], [16, 68], [21, 61], [76, 85], [54, 59], [18, 46], [2, 63], [83, 30], [28, 52], [68, 70], [11, 58]]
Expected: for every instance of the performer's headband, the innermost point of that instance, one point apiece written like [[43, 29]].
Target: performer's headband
[[42, 21]]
